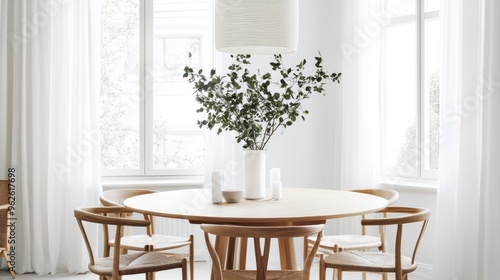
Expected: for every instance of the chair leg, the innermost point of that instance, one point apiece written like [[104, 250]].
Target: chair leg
[[184, 270], [191, 257], [339, 274], [150, 276], [11, 270], [322, 268], [306, 248]]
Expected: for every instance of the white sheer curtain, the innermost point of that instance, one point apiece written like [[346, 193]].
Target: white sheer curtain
[[358, 137], [49, 89], [360, 92], [467, 224]]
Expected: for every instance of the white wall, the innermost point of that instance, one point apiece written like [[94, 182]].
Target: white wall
[[305, 152]]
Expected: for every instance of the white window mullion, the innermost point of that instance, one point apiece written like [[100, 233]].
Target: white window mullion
[[424, 151], [420, 87], [148, 74], [383, 101]]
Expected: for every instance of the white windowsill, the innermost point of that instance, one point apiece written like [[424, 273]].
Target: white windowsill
[[408, 184], [152, 182]]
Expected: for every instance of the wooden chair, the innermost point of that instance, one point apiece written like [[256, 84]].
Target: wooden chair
[[332, 244], [4, 230], [267, 233], [382, 262], [155, 242], [147, 261]]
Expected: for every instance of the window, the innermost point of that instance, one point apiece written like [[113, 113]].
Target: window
[[148, 114], [410, 85]]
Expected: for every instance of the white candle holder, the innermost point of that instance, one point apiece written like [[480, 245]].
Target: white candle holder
[[217, 184], [277, 190], [274, 175]]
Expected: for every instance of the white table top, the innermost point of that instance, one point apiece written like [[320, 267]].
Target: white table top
[[298, 205]]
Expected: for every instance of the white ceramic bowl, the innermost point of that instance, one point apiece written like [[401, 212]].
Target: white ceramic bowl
[[233, 195]]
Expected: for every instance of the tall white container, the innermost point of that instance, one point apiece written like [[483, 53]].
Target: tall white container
[[254, 174]]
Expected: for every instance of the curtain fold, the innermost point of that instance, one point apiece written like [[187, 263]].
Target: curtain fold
[[467, 226], [360, 92], [51, 92], [356, 159]]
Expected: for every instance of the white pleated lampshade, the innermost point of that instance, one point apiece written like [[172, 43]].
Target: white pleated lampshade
[[256, 26]]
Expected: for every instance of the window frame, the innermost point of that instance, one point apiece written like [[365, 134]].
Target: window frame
[[422, 174], [146, 170]]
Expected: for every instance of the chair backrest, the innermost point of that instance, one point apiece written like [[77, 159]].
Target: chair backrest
[[101, 215], [390, 195], [4, 203], [405, 215], [265, 232], [117, 197]]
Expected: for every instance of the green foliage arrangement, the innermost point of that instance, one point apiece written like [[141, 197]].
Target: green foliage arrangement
[[256, 105]]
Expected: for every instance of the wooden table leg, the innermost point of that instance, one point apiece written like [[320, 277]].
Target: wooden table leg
[[231, 261], [232, 252], [242, 253], [287, 254]]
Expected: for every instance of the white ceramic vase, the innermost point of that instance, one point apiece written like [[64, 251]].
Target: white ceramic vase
[[254, 174]]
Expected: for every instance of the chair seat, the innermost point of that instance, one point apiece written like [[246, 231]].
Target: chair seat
[[348, 242], [367, 261], [158, 241], [135, 263], [271, 275]]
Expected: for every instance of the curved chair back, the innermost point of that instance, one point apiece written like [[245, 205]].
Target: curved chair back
[[100, 215], [390, 195], [266, 233], [410, 215], [4, 231], [381, 262], [117, 197], [146, 262], [160, 242]]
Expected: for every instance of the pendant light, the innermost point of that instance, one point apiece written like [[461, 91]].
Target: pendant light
[[256, 26]]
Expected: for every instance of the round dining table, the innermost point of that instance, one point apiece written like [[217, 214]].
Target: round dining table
[[298, 206]]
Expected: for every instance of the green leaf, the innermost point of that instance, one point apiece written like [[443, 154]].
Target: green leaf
[[253, 104], [318, 61]]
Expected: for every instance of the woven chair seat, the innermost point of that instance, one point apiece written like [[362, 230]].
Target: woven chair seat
[[348, 242], [368, 261], [135, 263], [158, 241], [270, 275]]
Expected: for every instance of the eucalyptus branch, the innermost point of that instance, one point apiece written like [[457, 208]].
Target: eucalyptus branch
[[256, 105]]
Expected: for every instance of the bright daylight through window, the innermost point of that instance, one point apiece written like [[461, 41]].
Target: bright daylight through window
[[410, 91], [148, 114]]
